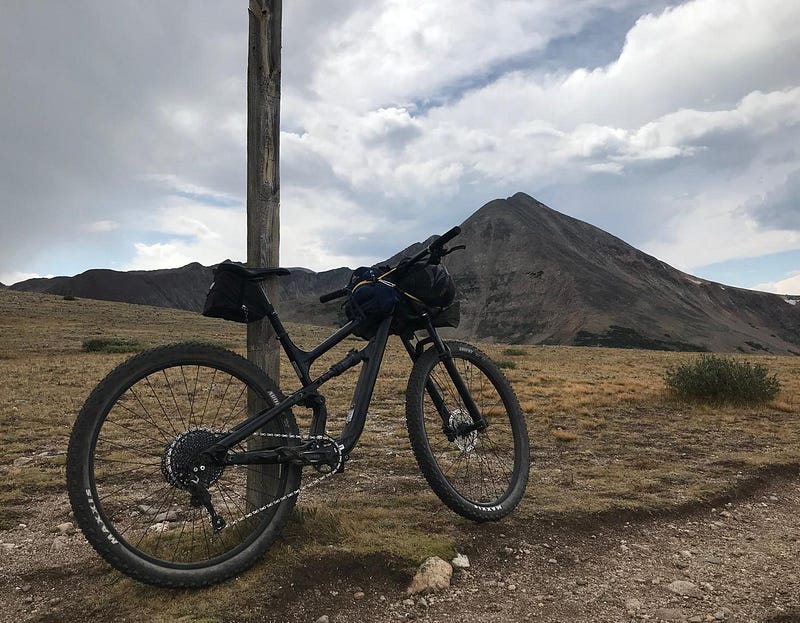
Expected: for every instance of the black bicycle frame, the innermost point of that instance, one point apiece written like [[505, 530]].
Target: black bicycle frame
[[308, 396]]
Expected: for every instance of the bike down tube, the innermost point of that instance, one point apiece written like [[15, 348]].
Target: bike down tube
[[372, 353], [364, 388]]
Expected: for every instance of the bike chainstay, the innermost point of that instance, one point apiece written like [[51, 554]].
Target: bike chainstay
[[303, 487]]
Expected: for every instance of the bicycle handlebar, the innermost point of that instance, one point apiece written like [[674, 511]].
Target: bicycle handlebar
[[336, 294], [435, 250]]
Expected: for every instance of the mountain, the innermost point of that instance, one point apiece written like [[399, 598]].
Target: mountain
[[533, 275], [529, 275], [186, 287]]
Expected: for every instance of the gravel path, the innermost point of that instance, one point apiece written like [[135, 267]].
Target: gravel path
[[738, 562]]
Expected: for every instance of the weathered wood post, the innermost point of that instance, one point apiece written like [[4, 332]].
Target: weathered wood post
[[263, 181], [263, 200]]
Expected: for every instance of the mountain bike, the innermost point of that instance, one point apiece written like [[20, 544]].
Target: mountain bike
[[185, 462]]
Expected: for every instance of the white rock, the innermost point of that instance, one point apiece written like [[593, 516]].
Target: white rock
[[460, 562], [433, 575], [684, 588]]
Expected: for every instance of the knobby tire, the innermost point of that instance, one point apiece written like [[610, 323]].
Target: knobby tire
[[147, 418], [481, 475]]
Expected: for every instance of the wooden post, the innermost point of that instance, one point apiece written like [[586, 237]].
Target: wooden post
[[263, 209], [263, 180]]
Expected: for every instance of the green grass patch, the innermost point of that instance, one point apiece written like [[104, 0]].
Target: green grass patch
[[507, 365], [515, 352], [722, 380]]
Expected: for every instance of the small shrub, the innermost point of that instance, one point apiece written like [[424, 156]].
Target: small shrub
[[721, 379], [514, 352], [112, 345], [510, 365]]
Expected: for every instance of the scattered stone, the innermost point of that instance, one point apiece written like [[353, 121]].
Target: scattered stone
[[23, 461], [55, 601], [581, 582], [552, 561], [681, 564], [25, 588], [422, 602], [668, 614], [684, 588], [433, 575], [512, 587], [632, 605], [719, 615], [323, 619], [162, 526], [460, 562], [147, 510], [697, 618], [408, 602], [65, 528], [59, 543], [166, 516], [358, 595]]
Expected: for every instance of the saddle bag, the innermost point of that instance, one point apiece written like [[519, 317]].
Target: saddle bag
[[233, 296]]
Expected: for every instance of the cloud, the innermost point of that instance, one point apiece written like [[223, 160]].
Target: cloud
[[780, 207], [790, 285], [673, 125]]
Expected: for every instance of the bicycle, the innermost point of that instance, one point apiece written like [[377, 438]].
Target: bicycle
[[175, 485]]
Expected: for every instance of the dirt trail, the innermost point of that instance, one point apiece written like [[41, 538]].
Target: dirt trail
[[738, 562]]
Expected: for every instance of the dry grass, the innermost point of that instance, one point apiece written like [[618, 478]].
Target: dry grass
[[604, 435]]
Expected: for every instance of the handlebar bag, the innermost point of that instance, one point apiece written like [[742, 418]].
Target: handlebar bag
[[430, 284], [234, 297]]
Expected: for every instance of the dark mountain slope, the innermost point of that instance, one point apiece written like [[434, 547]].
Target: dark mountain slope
[[185, 288], [533, 275]]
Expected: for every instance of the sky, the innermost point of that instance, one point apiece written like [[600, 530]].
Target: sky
[[672, 125]]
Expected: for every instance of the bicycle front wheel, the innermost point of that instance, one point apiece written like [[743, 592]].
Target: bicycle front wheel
[[481, 475], [135, 452]]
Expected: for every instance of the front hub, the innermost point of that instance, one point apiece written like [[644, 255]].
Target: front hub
[[460, 421]]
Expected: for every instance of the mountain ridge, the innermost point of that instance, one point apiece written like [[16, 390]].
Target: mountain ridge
[[529, 275]]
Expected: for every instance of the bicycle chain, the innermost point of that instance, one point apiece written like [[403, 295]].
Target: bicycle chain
[[302, 488]]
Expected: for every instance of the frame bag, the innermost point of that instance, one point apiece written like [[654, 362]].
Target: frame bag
[[233, 296]]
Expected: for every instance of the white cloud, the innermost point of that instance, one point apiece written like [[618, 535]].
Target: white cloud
[[790, 285], [191, 232]]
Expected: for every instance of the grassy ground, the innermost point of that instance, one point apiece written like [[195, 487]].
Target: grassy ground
[[605, 438]]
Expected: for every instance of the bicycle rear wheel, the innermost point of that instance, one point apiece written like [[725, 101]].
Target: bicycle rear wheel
[[136, 444], [481, 475]]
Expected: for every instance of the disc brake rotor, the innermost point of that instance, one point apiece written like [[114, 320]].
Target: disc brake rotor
[[460, 418]]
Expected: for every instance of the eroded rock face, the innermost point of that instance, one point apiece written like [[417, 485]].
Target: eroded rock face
[[433, 575]]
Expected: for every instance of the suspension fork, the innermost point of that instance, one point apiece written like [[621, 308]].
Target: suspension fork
[[479, 422]]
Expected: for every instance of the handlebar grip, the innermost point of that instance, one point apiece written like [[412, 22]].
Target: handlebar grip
[[447, 237], [336, 294]]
